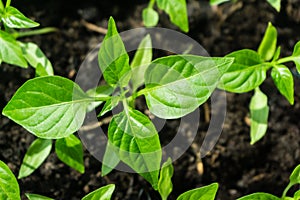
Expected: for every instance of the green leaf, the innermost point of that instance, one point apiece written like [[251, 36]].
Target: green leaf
[[259, 110], [297, 195], [140, 62], [296, 56], [275, 4], [284, 82], [136, 142], [109, 105], [35, 156], [259, 196], [177, 11], [9, 187], [100, 91], [110, 160], [267, 46], [150, 17], [37, 59], [295, 176], [276, 54], [103, 193], [113, 58], [165, 185], [203, 193], [245, 74], [37, 197], [49, 107], [217, 2], [69, 150], [10, 51], [177, 85], [13, 18]]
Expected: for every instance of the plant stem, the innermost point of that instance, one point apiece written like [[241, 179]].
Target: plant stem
[[284, 60], [35, 32], [7, 3], [151, 4], [286, 190], [1, 5], [104, 98]]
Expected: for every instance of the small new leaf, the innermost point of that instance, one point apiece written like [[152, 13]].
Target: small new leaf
[[284, 82], [37, 59], [10, 51], [103, 193], [259, 110], [50, 107], [136, 142], [37, 197], [267, 46], [150, 17], [35, 156], [13, 18], [165, 185], [177, 85], [296, 56], [295, 176], [69, 150], [177, 11], [259, 196], [245, 74], [203, 193], [140, 62], [109, 105], [275, 4], [9, 187], [113, 58]]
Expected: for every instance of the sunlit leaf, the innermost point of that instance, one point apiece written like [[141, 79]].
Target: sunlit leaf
[[259, 110], [69, 150], [35, 156], [9, 187], [177, 85], [49, 107]]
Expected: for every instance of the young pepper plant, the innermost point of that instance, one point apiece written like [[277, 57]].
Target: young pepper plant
[[176, 9], [249, 71], [53, 107], [9, 188], [276, 4], [294, 180], [18, 53]]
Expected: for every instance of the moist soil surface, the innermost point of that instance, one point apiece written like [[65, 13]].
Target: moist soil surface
[[238, 167]]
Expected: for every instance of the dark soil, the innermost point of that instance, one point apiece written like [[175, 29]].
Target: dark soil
[[238, 167]]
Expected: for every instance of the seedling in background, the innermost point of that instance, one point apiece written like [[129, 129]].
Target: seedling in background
[[276, 4], [176, 10], [294, 180], [9, 188], [249, 71], [18, 53]]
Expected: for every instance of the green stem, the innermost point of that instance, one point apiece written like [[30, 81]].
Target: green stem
[[1, 5], [151, 4], [7, 3], [284, 60], [286, 190], [35, 32], [105, 98]]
